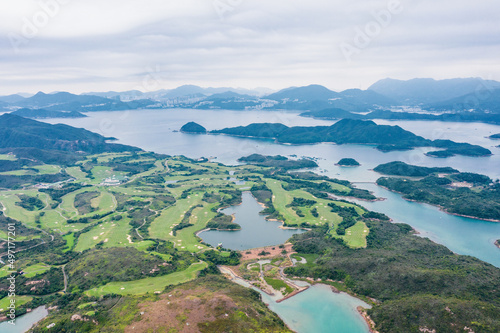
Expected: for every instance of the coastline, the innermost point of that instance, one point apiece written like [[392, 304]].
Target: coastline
[[441, 208], [369, 321]]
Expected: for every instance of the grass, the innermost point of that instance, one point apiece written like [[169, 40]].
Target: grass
[[112, 233], [70, 242], [47, 169], [355, 236], [185, 239], [77, 173], [7, 157], [5, 271], [35, 270], [16, 212], [20, 300], [148, 285], [278, 284]]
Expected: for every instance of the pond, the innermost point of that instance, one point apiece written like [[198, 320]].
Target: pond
[[255, 231]]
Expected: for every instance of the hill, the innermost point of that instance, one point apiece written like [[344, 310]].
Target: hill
[[312, 92], [18, 132], [41, 113], [424, 90], [64, 101], [398, 168], [352, 131], [336, 113], [487, 101], [193, 127]]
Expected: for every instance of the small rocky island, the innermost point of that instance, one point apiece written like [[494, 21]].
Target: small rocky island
[[348, 162], [194, 128], [495, 136]]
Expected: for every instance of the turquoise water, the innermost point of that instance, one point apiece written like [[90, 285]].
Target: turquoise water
[[255, 230], [319, 310], [24, 322]]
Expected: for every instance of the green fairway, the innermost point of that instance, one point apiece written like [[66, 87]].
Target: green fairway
[[70, 242], [47, 169], [35, 270], [77, 173], [9, 199], [111, 234], [7, 157], [20, 300], [185, 239], [148, 285], [356, 235]]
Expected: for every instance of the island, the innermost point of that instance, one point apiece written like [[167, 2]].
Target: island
[[495, 136], [459, 193], [348, 162], [353, 131], [107, 239], [193, 127]]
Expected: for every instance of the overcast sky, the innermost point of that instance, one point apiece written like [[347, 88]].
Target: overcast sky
[[91, 45]]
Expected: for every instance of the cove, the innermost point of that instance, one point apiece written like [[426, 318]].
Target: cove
[[25, 322], [317, 309], [255, 231], [460, 234]]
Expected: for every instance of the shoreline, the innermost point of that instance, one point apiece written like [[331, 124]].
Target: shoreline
[[369, 321], [441, 208]]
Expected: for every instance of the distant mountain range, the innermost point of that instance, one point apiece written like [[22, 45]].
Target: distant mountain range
[[429, 91], [435, 96]]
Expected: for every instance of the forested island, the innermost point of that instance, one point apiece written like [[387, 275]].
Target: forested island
[[348, 162], [459, 193], [108, 241], [350, 131]]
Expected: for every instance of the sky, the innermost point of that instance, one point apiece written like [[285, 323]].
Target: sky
[[90, 45]]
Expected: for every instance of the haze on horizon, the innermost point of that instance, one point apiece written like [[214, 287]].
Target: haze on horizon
[[82, 46]]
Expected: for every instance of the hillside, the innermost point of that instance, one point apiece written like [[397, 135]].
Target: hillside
[[19, 132], [487, 102], [41, 114], [424, 91], [335, 113], [352, 131]]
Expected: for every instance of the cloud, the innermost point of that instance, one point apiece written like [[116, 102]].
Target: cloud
[[111, 45]]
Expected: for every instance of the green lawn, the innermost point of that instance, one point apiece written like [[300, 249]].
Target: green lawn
[[7, 157], [70, 242], [356, 235], [148, 285], [113, 234], [77, 173], [34, 270], [185, 239], [20, 300], [278, 284]]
